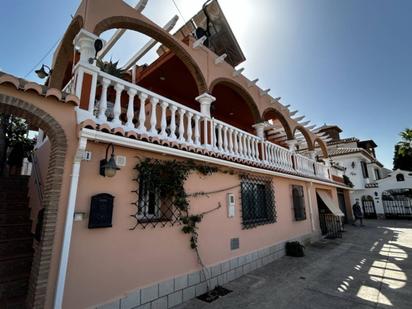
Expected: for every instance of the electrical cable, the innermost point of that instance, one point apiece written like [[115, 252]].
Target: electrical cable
[[180, 13], [44, 57]]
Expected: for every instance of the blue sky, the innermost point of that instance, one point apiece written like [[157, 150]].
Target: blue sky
[[344, 62]]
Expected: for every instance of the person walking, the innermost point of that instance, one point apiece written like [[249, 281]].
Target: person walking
[[357, 212]]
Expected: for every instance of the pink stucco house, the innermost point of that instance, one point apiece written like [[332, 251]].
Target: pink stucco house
[[128, 162]]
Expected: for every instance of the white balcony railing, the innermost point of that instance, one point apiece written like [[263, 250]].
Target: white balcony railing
[[168, 120]]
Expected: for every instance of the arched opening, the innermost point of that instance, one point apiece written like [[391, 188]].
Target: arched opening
[[233, 105], [301, 135], [323, 148], [63, 60], [31, 288], [279, 131]]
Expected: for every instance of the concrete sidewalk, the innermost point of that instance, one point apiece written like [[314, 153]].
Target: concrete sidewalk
[[370, 267]]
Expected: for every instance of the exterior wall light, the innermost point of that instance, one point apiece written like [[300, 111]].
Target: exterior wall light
[[353, 164], [41, 73], [108, 168]]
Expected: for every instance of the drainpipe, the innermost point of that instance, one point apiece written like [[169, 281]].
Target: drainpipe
[[310, 206], [71, 203]]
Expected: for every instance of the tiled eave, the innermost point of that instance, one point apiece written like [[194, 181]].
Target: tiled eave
[[144, 142], [28, 86]]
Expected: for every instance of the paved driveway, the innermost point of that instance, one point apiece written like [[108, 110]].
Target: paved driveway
[[370, 267]]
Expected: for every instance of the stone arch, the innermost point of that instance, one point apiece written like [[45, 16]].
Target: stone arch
[[272, 113], [65, 53], [322, 146], [159, 35], [305, 134], [43, 249], [248, 110], [131, 23]]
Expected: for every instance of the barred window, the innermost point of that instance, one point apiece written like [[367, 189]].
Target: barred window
[[152, 209], [258, 202], [298, 198]]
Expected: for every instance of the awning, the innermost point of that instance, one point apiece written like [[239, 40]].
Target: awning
[[333, 207]]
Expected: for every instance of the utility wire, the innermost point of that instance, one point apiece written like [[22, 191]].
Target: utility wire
[[180, 13], [44, 57]]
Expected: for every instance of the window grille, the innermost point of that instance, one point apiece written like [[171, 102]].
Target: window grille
[[298, 198], [153, 209], [258, 202]]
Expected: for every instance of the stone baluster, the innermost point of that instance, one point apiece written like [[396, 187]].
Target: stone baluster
[[117, 109], [173, 122], [103, 101], [225, 140], [130, 108], [181, 125], [230, 140], [92, 97], [163, 123], [241, 153], [219, 137], [153, 116], [142, 113], [236, 144], [189, 127]]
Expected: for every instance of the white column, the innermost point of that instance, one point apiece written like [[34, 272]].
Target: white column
[[142, 112], [117, 109], [84, 43], [260, 129], [130, 108], [103, 101], [205, 101], [291, 144], [92, 93], [163, 124]]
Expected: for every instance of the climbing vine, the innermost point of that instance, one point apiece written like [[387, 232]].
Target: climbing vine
[[167, 178]]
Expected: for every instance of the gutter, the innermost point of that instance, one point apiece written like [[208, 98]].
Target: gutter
[[68, 226]]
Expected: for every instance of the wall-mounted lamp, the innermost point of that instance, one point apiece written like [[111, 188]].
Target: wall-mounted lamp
[[98, 45], [41, 73], [108, 168], [353, 164]]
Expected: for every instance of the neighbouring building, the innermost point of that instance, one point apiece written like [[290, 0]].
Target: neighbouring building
[[128, 162], [381, 192]]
